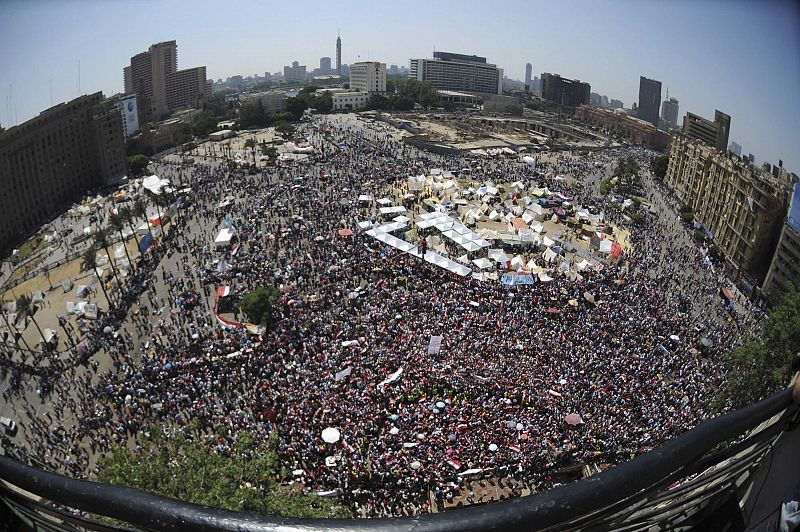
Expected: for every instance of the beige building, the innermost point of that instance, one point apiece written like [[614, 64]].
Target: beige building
[[368, 76], [785, 267], [53, 159], [272, 101], [158, 84], [741, 207]]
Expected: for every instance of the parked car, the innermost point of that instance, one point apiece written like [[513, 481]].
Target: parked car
[[9, 424]]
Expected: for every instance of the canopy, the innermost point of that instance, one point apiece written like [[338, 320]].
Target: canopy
[[224, 237], [331, 435]]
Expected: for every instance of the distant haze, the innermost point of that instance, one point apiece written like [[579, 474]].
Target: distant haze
[[740, 57]]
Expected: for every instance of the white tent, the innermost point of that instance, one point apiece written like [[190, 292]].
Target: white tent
[[224, 237], [547, 242], [517, 262], [605, 246], [549, 255], [582, 265], [482, 263]]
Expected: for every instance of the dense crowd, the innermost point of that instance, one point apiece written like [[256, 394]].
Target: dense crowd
[[349, 344]]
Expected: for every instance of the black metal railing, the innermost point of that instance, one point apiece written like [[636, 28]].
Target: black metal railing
[[688, 480]]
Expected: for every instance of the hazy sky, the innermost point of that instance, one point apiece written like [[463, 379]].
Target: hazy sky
[[742, 57]]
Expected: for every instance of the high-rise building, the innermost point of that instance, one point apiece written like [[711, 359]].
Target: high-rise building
[[712, 133], [368, 76], [458, 72], [325, 65], [649, 100], [785, 267], [295, 73], [338, 54], [565, 92], [615, 104], [53, 159], [187, 88], [735, 148], [150, 76], [528, 72], [594, 99], [669, 111], [739, 206]]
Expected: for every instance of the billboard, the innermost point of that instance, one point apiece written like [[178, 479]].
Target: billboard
[[130, 115]]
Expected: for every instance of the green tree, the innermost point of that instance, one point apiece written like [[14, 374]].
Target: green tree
[[127, 215], [258, 305], [761, 366], [137, 163], [206, 123], [139, 209], [25, 308], [241, 478], [658, 165], [284, 129]]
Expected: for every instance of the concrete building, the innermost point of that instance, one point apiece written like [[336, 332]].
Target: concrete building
[[51, 160], [615, 104], [158, 84], [669, 111], [368, 76], [712, 133], [325, 65], [272, 101], [785, 267], [739, 206], [459, 100], [735, 148], [458, 72], [186, 89], [528, 73], [295, 73], [617, 121], [346, 99], [649, 100], [129, 111], [565, 92]]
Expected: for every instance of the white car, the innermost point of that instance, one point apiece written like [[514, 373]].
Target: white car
[[9, 424]]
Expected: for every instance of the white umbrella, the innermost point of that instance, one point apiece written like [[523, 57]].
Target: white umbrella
[[440, 404], [415, 464], [493, 447], [394, 430], [331, 435]]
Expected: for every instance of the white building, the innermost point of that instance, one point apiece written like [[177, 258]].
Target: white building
[[344, 99], [458, 72], [130, 114], [368, 76]]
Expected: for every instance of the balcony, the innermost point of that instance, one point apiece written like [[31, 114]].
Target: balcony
[[732, 472]]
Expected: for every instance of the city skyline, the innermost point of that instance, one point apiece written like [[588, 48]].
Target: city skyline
[[710, 56]]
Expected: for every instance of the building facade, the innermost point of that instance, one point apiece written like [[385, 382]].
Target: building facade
[[272, 101], [158, 84], [129, 111], [51, 160], [649, 100], [368, 76], [296, 73], [785, 267], [186, 89], [325, 65], [528, 73], [669, 111], [735, 148], [458, 72], [617, 121], [712, 133], [565, 92], [739, 206]]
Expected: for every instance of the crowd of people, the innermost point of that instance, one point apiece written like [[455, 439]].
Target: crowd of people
[[348, 346]]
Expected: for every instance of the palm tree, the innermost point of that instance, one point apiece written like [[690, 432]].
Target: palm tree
[[127, 215], [25, 306], [101, 241], [118, 223], [13, 330], [90, 263], [140, 209]]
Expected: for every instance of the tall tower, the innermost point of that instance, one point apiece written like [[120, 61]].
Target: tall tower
[[528, 72], [338, 54]]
